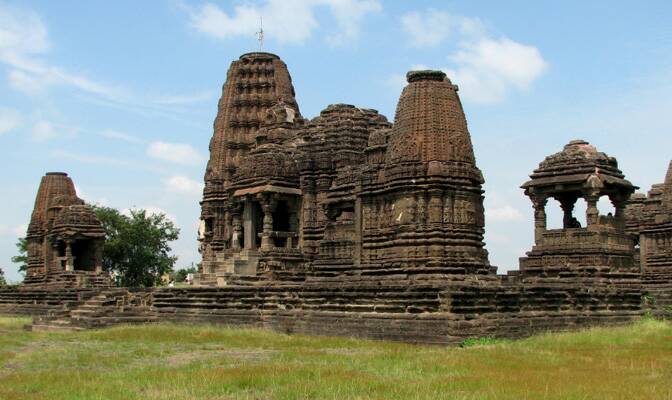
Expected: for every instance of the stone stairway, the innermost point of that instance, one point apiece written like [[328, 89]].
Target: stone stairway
[[108, 307], [240, 267]]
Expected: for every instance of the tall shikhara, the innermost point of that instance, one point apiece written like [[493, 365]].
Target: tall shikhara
[[424, 211], [254, 84]]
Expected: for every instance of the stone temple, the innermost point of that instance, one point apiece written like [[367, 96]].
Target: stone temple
[[64, 239], [344, 193], [349, 224]]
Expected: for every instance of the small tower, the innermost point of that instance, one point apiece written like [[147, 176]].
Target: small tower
[[602, 246], [65, 238]]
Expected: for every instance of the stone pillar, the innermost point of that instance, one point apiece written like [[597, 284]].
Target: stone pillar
[[539, 204], [69, 259], [266, 243], [619, 211], [249, 227], [592, 213], [99, 257], [567, 205], [237, 231]]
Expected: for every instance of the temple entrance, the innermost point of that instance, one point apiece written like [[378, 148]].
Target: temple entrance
[[84, 255]]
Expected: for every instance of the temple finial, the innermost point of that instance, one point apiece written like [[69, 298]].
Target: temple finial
[[260, 34]]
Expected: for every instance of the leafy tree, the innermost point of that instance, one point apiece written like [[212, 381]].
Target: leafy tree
[[22, 258], [136, 246], [181, 274], [3, 282]]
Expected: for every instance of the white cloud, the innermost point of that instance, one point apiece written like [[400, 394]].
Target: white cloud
[[179, 153], [17, 231], [23, 37], [9, 119], [21, 31], [504, 213], [184, 185], [287, 21], [116, 135], [43, 131], [349, 15], [486, 68], [24, 46], [431, 28], [20, 230]]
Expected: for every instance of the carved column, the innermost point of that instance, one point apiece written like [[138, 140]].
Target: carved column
[[619, 210], [237, 231], [567, 205], [99, 257], [249, 226], [539, 204], [266, 206], [69, 259], [592, 213]]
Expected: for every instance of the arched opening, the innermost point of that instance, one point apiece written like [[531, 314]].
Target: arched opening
[[607, 211], [580, 212], [554, 214]]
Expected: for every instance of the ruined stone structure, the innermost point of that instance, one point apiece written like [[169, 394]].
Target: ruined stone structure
[[65, 238], [347, 224], [649, 220]]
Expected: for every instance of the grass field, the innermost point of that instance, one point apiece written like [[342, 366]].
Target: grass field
[[208, 362]]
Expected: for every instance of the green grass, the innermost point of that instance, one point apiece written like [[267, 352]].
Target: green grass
[[169, 361]]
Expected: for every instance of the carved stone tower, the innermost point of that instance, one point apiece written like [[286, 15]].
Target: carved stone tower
[[255, 83], [65, 238], [424, 210]]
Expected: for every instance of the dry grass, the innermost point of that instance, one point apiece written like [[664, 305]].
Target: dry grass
[[207, 362]]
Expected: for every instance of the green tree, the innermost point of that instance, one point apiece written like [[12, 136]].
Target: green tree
[[137, 246], [22, 258], [3, 282], [181, 274]]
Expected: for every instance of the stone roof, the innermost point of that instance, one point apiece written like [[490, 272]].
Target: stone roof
[[576, 164], [268, 163], [429, 122], [78, 219], [339, 135]]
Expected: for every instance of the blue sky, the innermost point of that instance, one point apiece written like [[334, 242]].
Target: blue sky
[[122, 95]]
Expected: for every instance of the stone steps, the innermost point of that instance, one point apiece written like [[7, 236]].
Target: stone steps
[[109, 307]]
